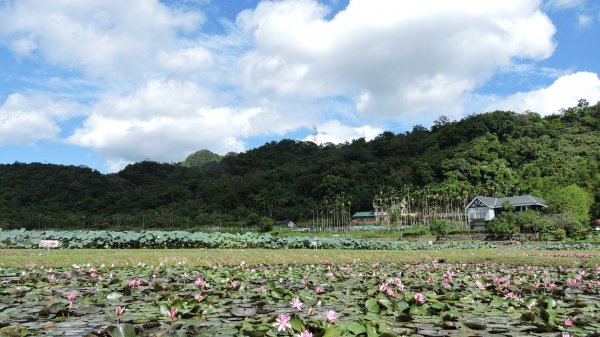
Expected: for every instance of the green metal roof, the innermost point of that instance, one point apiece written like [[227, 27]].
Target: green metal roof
[[364, 214]]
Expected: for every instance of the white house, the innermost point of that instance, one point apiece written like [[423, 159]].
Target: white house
[[482, 210]]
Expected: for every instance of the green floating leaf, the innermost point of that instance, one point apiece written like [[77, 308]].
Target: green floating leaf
[[332, 332], [121, 330], [357, 328], [371, 331], [296, 324], [372, 305]]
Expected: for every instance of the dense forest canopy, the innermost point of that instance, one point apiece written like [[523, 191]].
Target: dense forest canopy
[[499, 154]]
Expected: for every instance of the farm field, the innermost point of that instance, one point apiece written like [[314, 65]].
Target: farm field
[[257, 292]]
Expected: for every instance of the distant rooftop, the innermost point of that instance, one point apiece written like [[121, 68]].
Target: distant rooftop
[[521, 200]]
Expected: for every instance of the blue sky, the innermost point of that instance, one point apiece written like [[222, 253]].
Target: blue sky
[[105, 83]]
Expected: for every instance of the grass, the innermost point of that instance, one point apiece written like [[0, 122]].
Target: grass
[[193, 257]]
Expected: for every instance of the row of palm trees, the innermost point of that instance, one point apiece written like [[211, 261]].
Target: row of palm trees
[[407, 206]]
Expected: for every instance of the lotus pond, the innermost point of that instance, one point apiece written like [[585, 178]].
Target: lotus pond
[[424, 299]]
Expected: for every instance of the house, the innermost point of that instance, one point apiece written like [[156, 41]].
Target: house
[[363, 217], [286, 223], [482, 210]]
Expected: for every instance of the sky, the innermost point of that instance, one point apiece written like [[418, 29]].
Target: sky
[[106, 83]]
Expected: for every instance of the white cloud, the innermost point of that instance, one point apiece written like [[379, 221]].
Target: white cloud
[[157, 86], [166, 119], [335, 132], [25, 120], [186, 60], [23, 47], [410, 57], [98, 37], [585, 20], [565, 92], [564, 4]]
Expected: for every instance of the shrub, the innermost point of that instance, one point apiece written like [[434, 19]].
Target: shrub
[[503, 224], [414, 232], [559, 234], [576, 230], [266, 224], [440, 228]]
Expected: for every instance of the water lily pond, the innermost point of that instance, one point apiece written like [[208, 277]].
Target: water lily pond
[[426, 299]]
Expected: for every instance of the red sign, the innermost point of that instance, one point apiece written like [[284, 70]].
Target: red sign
[[48, 243]]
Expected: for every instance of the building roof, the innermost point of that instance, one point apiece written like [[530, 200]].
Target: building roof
[[521, 200], [369, 214]]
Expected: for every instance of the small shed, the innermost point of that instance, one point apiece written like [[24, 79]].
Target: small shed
[[287, 223], [364, 217]]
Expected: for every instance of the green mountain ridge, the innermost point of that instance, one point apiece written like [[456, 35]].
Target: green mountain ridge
[[499, 153]]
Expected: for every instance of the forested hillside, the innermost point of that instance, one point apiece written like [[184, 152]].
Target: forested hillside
[[493, 154]]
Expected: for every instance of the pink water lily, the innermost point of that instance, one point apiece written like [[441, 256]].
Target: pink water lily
[[135, 282], [200, 283], [305, 333], [297, 304], [119, 312], [283, 322], [331, 316], [568, 322], [419, 298], [71, 297]]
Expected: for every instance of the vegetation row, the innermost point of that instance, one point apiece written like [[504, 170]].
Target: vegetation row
[[182, 239]]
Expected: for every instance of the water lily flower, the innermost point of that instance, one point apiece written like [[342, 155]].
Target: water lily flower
[[568, 322], [305, 333], [262, 290], [235, 284], [318, 290], [419, 298], [390, 292], [135, 282], [297, 304], [331, 316], [200, 283], [480, 286], [119, 311], [283, 322], [173, 313], [71, 297], [384, 287]]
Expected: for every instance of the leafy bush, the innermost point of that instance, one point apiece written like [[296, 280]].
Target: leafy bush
[[440, 228], [559, 234], [504, 224], [414, 232], [266, 224], [576, 230]]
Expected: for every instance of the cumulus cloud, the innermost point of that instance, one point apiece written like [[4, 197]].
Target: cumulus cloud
[[396, 57], [164, 87], [563, 4], [25, 120], [335, 132], [165, 119], [565, 92], [98, 37]]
